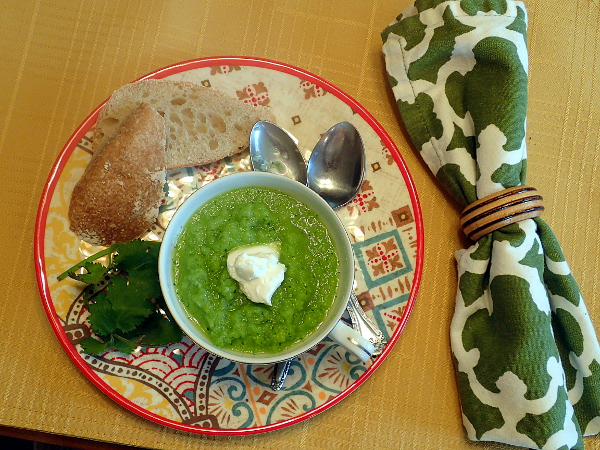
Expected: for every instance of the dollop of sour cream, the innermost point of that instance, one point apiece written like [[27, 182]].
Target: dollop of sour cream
[[258, 271]]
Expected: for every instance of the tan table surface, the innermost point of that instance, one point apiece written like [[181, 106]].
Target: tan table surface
[[60, 59]]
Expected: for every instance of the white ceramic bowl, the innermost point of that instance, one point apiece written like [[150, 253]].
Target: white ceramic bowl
[[338, 235]]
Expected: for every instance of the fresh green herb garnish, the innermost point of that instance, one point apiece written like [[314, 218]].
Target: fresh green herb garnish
[[128, 310]]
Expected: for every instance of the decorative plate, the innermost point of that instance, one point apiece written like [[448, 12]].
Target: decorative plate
[[183, 386]]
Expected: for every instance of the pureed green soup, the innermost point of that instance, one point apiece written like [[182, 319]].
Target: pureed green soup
[[250, 216]]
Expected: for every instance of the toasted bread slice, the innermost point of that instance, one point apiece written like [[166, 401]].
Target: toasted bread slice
[[117, 198], [202, 124]]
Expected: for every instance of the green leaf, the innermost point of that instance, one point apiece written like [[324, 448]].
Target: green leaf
[[71, 272], [130, 311], [136, 255], [129, 304], [124, 346], [160, 331], [93, 346], [162, 305], [102, 317], [144, 283], [95, 273]]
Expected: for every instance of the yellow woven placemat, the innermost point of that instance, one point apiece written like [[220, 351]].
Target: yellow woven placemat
[[61, 59]]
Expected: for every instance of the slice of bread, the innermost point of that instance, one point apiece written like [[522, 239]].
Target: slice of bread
[[202, 124], [117, 198]]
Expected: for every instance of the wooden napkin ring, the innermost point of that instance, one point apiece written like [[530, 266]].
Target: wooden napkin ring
[[500, 209]]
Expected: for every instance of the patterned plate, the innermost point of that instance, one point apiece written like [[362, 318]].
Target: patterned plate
[[183, 386]]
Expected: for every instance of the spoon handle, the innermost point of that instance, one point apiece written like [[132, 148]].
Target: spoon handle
[[360, 322], [365, 326], [280, 371]]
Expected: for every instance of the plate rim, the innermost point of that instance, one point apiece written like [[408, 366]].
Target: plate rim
[[65, 154]]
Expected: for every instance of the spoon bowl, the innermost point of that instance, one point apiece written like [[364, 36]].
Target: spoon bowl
[[273, 150], [336, 168]]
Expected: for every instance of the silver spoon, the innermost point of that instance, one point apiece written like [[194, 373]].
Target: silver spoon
[[272, 149], [336, 171], [336, 168]]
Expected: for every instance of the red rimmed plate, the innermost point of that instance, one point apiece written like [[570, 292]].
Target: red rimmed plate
[[183, 386]]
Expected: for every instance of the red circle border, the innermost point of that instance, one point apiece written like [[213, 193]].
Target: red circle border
[[44, 204]]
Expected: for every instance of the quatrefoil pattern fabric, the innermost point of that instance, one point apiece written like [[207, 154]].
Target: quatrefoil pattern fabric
[[526, 354]]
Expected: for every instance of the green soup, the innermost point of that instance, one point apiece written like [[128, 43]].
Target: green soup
[[249, 216]]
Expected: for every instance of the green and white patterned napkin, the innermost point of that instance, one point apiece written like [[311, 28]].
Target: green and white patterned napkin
[[526, 354]]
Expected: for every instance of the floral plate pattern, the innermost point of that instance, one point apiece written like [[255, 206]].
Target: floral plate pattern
[[182, 385]]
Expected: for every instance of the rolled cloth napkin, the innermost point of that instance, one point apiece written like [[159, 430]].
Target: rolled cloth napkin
[[526, 354]]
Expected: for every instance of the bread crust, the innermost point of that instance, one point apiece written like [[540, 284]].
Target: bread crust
[[202, 124], [118, 196]]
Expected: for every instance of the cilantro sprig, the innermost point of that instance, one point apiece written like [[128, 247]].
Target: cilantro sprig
[[124, 299]]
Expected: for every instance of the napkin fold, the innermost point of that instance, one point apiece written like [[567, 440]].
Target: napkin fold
[[526, 354]]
